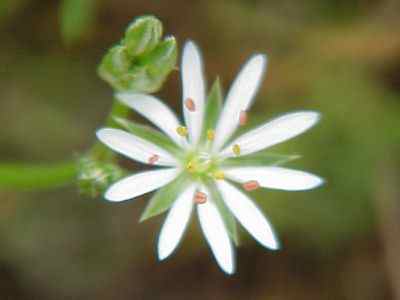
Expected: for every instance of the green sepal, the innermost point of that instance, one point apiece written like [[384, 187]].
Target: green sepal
[[114, 65], [163, 198], [213, 107], [142, 35], [258, 159], [155, 66], [227, 216], [149, 134]]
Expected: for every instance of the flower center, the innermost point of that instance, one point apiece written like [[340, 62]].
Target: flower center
[[202, 165]]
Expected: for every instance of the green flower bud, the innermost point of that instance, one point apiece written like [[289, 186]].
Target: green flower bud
[[95, 176], [141, 62]]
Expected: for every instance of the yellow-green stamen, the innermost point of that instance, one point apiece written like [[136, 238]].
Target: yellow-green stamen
[[219, 175], [236, 149], [182, 131], [210, 134]]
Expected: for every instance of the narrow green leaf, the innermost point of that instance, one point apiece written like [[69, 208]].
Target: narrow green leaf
[[164, 197], [149, 134], [213, 108], [225, 213], [259, 159], [41, 176], [77, 17]]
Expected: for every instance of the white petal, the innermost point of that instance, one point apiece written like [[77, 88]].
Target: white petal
[[273, 132], [139, 184], [275, 177], [156, 112], [193, 88], [248, 214], [134, 147], [216, 235], [239, 98], [175, 223]]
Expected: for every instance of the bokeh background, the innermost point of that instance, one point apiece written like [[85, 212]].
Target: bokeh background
[[341, 241]]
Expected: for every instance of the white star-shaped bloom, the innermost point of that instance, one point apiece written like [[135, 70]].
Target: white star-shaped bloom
[[201, 161]]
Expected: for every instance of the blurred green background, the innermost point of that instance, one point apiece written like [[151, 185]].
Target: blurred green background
[[340, 241]]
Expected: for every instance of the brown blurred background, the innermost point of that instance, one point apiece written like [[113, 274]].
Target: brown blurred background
[[340, 241]]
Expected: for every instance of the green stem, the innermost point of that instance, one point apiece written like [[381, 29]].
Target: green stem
[[37, 176], [118, 110], [98, 150]]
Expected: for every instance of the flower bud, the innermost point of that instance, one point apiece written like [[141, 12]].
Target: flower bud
[[95, 177], [142, 35], [141, 61]]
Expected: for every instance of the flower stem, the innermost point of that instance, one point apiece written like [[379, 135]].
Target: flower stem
[[37, 176], [98, 150]]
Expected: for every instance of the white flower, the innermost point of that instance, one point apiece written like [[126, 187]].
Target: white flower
[[200, 165]]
